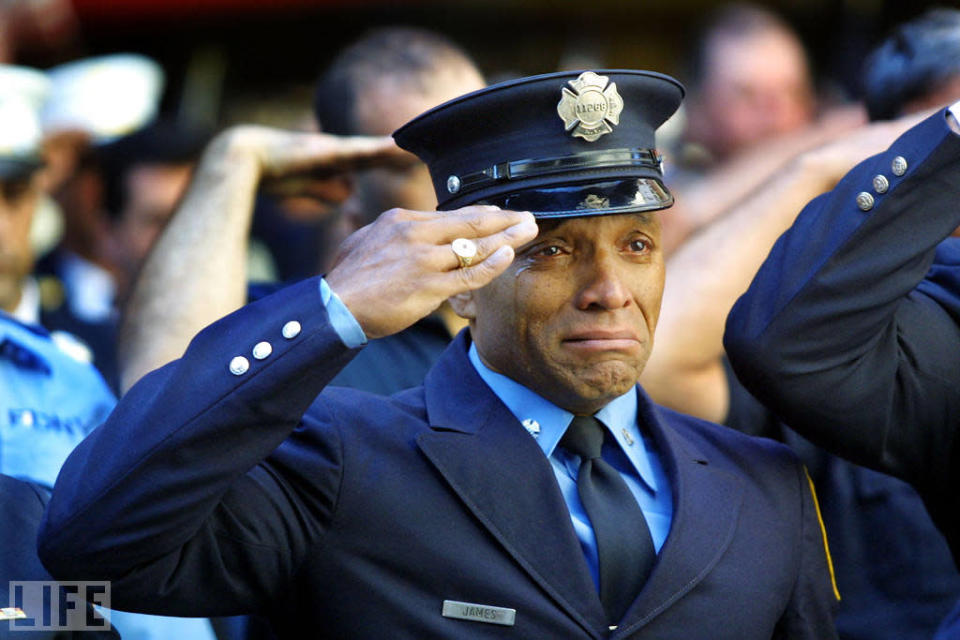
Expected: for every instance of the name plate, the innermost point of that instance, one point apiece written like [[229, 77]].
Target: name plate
[[479, 612]]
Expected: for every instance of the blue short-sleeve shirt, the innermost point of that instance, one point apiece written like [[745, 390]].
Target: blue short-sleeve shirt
[[50, 399]]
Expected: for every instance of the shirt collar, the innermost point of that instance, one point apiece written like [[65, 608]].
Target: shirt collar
[[28, 309], [547, 422], [18, 345]]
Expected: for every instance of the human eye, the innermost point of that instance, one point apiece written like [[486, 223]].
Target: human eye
[[549, 251], [639, 245], [545, 253]]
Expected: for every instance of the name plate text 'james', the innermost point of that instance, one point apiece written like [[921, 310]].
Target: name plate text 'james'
[[479, 612]]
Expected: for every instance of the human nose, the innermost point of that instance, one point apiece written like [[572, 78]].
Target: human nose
[[603, 285]]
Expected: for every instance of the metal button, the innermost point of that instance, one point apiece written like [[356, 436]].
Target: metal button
[[453, 184], [261, 350], [864, 201], [239, 366], [899, 166], [880, 183], [291, 330]]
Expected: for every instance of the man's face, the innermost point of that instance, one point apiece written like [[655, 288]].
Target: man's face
[[152, 193], [383, 108], [755, 87], [573, 317], [18, 201]]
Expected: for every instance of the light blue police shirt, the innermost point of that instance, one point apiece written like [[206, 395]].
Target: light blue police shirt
[[49, 400]]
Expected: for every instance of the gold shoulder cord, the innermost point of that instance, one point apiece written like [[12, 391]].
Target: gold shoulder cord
[[823, 532]]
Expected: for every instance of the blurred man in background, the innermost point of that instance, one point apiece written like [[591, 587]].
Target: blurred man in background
[[752, 108], [134, 184], [385, 78], [749, 81], [51, 397]]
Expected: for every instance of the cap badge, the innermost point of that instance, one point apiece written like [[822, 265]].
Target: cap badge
[[590, 106]]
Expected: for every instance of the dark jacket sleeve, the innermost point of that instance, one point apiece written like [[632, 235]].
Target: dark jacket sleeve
[[170, 498], [21, 508], [849, 330]]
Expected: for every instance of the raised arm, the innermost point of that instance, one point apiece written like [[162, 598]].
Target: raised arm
[[197, 271], [846, 332], [714, 267], [177, 478], [706, 199]]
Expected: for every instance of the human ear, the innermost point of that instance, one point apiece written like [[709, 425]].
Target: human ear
[[464, 305]]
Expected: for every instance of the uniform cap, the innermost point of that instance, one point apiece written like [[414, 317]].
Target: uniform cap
[[559, 145], [105, 96], [22, 94]]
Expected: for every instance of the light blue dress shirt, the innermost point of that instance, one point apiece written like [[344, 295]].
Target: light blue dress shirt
[[635, 458], [342, 321]]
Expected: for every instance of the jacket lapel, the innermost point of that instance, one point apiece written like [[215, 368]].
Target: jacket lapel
[[502, 476], [706, 504]]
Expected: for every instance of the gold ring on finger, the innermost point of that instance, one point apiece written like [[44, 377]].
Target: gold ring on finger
[[465, 250]]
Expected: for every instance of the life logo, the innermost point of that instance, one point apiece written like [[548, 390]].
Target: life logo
[[57, 606]]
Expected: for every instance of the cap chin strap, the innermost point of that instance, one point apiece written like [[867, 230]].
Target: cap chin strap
[[626, 195], [523, 169]]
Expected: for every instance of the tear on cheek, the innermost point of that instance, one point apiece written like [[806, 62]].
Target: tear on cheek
[[520, 269]]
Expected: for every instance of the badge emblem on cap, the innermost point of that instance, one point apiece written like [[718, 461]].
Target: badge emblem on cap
[[590, 106]]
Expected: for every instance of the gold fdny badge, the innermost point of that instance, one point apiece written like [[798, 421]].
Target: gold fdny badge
[[590, 107]]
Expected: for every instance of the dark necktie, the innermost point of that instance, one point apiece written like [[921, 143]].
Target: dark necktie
[[625, 549]]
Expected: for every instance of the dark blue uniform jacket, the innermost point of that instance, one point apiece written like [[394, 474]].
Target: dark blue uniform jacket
[[347, 515]]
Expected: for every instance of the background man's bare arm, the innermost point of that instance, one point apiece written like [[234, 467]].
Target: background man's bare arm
[[197, 271], [708, 198], [707, 274]]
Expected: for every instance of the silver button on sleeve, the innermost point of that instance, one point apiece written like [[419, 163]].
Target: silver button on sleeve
[[291, 330], [899, 166], [239, 366], [880, 183], [261, 350], [864, 201]]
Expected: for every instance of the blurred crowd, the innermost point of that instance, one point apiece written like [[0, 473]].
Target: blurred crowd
[[125, 229]]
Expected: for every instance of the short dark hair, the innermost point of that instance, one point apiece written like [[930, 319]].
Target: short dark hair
[[914, 60], [404, 52], [736, 20]]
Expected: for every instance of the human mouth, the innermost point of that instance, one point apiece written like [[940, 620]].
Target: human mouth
[[603, 340]]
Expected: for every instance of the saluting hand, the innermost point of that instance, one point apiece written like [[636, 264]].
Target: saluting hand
[[401, 267]]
